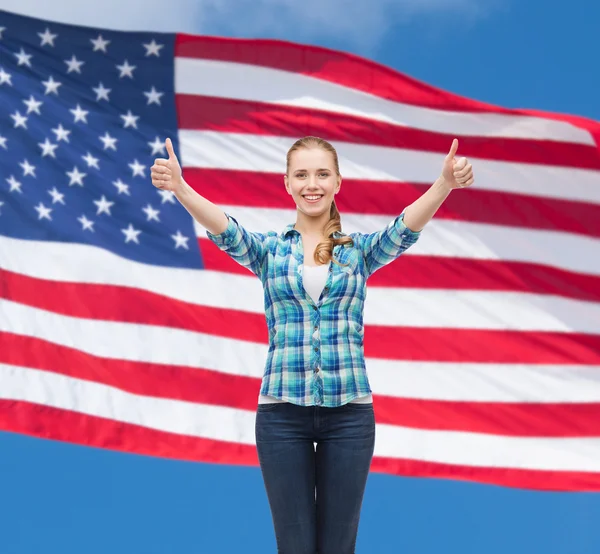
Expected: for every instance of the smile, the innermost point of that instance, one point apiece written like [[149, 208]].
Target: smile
[[311, 199]]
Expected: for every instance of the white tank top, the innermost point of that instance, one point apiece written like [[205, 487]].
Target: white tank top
[[314, 279]]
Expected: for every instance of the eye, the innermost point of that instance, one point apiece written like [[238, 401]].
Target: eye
[[325, 173]]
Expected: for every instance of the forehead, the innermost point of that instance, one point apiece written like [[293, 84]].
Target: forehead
[[311, 158]]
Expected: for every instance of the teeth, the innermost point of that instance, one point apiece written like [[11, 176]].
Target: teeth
[[313, 197]]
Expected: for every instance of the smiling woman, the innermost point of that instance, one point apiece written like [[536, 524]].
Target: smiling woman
[[315, 388]]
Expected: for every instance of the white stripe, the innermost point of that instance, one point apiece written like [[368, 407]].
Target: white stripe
[[246, 152], [425, 308], [262, 84], [433, 381], [460, 309], [237, 426], [450, 238]]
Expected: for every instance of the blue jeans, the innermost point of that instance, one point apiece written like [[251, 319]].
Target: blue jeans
[[315, 495]]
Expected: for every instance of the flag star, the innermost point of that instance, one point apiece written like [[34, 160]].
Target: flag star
[[101, 92], [126, 69], [122, 188], [180, 240], [100, 44], [152, 48], [61, 133], [158, 146], [20, 120], [137, 168], [167, 196], [28, 169], [48, 148], [131, 234], [3, 142], [23, 58], [104, 205], [43, 212], [80, 114], [130, 120], [153, 96], [151, 213], [14, 184], [33, 105], [74, 64], [76, 178], [56, 196], [5, 77], [2, 29], [47, 37], [108, 141], [91, 161], [51, 85], [86, 223]]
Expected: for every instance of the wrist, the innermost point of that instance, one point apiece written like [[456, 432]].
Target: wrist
[[182, 190], [442, 185]]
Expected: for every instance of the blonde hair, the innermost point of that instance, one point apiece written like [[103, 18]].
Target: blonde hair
[[323, 250]]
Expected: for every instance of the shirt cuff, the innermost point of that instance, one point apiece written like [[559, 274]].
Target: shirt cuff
[[224, 238]]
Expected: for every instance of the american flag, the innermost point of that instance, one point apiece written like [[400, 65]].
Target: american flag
[[122, 326]]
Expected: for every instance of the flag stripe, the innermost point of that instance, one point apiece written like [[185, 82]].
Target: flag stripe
[[227, 115], [249, 152], [267, 190], [420, 308], [45, 421], [492, 384], [212, 387], [295, 82], [389, 343], [440, 272], [235, 425], [459, 239]]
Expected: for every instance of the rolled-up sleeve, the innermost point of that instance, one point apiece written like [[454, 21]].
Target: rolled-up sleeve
[[245, 247], [382, 247]]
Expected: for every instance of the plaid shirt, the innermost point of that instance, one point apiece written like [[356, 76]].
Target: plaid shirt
[[316, 352]]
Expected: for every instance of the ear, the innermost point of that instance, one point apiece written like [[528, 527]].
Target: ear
[[287, 184], [339, 184]]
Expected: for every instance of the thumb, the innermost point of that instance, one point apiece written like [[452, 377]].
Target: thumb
[[453, 149], [170, 150]]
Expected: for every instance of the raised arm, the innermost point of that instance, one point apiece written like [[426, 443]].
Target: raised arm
[[246, 248]]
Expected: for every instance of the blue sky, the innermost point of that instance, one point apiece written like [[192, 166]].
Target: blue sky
[[70, 499]]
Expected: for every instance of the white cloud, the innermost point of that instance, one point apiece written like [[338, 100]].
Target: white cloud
[[360, 23]]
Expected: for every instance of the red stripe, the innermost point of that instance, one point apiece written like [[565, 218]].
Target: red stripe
[[112, 303], [223, 389], [55, 424], [351, 71], [437, 272], [259, 118], [265, 190]]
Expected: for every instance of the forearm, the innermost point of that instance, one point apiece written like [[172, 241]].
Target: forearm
[[209, 215], [420, 212]]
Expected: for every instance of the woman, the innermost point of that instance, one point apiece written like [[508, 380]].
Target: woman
[[315, 388]]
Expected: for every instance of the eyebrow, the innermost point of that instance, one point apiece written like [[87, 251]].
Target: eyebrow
[[320, 169]]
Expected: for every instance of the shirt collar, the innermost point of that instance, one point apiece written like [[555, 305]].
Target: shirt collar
[[289, 229]]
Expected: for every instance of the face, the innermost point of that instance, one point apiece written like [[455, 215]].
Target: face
[[312, 180]]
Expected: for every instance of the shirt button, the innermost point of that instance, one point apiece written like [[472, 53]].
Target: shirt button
[[316, 328], [315, 308], [316, 348]]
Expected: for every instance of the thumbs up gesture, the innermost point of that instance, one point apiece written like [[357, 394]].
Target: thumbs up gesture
[[457, 173], [166, 173]]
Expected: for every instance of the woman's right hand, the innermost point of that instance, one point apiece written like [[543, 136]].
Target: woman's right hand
[[166, 173]]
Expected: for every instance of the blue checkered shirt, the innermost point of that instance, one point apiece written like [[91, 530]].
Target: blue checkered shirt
[[316, 353]]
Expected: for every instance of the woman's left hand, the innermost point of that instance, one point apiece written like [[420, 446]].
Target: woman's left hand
[[457, 173]]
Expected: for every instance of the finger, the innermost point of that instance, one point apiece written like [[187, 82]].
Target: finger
[[453, 149], [462, 172], [467, 183], [160, 169], [459, 164], [170, 150], [161, 161]]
